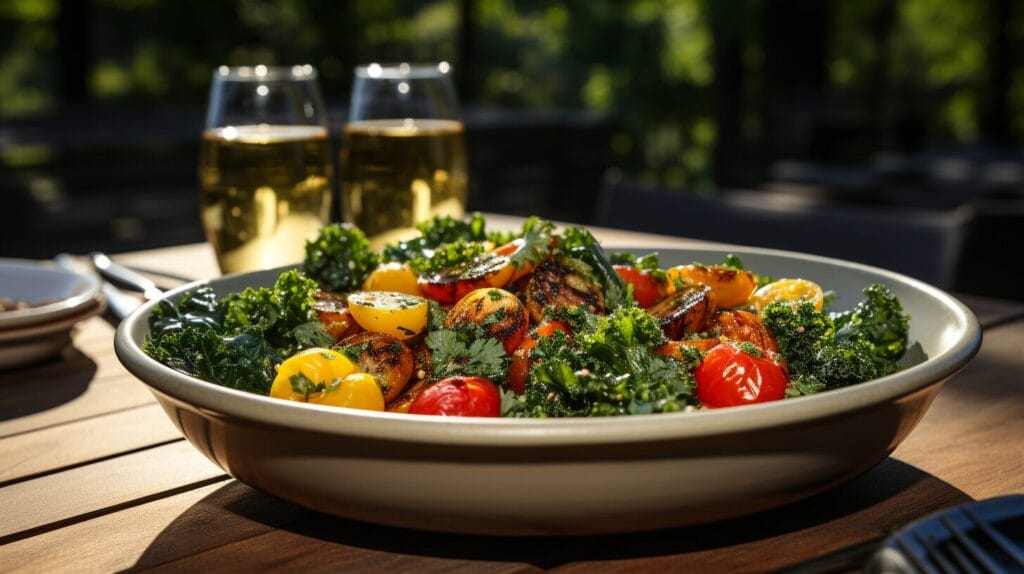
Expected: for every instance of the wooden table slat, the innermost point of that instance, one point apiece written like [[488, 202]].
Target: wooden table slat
[[74, 390], [972, 433], [53, 500], [160, 531], [286, 551], [60, 446]]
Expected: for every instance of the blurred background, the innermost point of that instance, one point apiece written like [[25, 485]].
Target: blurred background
[[883, 131]]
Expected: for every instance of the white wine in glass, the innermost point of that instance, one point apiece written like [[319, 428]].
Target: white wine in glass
[[265, 167], [404, 151]]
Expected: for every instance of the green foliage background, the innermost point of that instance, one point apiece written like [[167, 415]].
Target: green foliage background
[[647, 63]]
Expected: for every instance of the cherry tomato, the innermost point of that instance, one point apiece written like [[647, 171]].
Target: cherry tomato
[[450, 285], [316, 364], [459, 397], [729, 377], [732, 287], [646, 290], [327, 378], [393, 277], [519, 369], [792, 290], [400, 315], [355, 391], [511, 248]]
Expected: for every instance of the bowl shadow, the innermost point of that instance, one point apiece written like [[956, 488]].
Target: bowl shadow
[[878, 502], [67, 376]]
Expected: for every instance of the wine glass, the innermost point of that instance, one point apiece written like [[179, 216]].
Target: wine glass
[[265, 166], [404, 154]]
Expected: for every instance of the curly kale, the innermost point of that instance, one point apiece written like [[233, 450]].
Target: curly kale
[[435, 232], [610, 370], [825, 352], [340, 258], [283, 315], [238, 341], [189, 337], [879, 320], [446, 256]]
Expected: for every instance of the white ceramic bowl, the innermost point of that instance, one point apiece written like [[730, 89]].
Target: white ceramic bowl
[[570, 476], [63, 293], [63, 298]]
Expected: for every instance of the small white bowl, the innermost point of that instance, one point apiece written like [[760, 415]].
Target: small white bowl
[[63, 293], [33, 334], [570, 476]]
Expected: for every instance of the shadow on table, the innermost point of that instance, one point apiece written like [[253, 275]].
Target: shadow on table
[[878, 502], [46, 384]]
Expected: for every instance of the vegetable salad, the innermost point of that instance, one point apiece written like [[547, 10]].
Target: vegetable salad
[[537, 323]]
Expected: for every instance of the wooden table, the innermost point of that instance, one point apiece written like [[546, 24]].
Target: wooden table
[[94, 477]]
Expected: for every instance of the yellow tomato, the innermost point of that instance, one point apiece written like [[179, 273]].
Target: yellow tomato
[[731, 287], [316, 366], [397, 314], [795, 290], [356, 391], [393, 277]]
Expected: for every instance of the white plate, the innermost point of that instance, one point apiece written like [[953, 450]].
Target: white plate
[[570, 476], [39, 281]]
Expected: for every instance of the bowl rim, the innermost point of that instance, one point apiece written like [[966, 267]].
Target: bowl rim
[[220, 401]]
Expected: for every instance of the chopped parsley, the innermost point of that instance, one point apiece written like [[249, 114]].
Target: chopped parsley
[[303, 385], [462, 353]]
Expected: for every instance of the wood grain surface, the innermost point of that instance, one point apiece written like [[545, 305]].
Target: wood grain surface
[[94, 478]]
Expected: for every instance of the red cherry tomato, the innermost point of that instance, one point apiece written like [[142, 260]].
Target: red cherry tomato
[[645, 286], [519, 369], [729, 377], [459, 397]]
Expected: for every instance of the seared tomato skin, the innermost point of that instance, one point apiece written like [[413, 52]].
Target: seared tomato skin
[[459, 397], [732, 287], [447, 287], [729, 377], [646, 290]]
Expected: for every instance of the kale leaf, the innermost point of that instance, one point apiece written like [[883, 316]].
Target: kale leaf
[[238, 341], [610, 370], [435, 232], [283, 315], [879, 319], [825, 352], [189, 337], [340, 258], [446, 256]]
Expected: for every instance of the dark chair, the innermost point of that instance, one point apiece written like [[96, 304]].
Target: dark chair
[[922, 244]]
